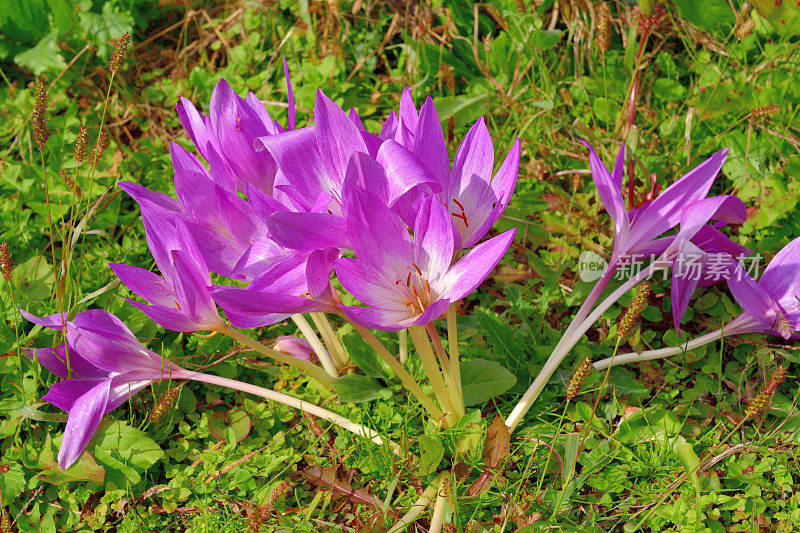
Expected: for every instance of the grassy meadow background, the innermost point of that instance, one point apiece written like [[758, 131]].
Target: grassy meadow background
[[709, 75]]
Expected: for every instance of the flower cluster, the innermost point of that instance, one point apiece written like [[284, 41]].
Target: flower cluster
[[266, 218]]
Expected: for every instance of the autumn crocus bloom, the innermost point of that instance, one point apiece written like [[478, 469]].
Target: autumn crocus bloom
[[181, 299], [105, 366], [407, 282], [636, 231], [771, 305], [474, 198], [225, 137]]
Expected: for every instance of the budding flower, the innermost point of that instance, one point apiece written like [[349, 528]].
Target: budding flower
[[578, 377], [165, 404], [631, 315], [69, 181], [39, 115], [5, 262], [763, 399], [80, 152], [118, 55], [294, 346]]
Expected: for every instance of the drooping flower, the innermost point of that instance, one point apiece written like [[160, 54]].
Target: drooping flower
[[636, 231], [294, 346], [181, 299], [102, 365], [408, 282], [771, 304]]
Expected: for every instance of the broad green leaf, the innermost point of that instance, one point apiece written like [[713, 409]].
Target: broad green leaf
[[44, 57], [668, 90], [431, 453], [356, 388], [482, 380], [784, 16], [12, 483], [367, 359], [126, 445], [237, 421]]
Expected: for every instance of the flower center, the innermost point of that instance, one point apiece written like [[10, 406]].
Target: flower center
[[461, 213], [416, 290]]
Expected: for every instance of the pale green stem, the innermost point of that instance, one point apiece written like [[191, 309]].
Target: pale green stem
[[291, 401], [336, 347], [402, 374], [305, 366], [452, 344], [568, 341], [420, 339], [419, 506], [649, 355], [403, 340], [447, 369], [311, 336]]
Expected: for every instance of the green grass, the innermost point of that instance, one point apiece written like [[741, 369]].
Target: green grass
[[535, 74]]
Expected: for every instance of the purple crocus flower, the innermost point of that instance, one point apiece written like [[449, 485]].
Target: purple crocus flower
[[771, 304], [225, 137], [408, 282], [314, 163], [294, 346], [636, 231], [299, 284], [181, 299], [107, 365], [474, 198]]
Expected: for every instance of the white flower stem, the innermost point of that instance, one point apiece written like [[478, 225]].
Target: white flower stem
[[311, 336], [306, 366], [291, 401], [437, 520], [571, 339], [403, 340], [420, 339], [419, 506], [453, 387], [649, 355], [329, 338], [405, 378]]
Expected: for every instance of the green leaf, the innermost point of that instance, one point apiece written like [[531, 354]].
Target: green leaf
[[44, 57], [356, 388], [482, 380], [502, 337], [12, 483], [237, 421], [367, 360], [121, 447], [668, 90], [84, 469], [431, 453], [709, 14]]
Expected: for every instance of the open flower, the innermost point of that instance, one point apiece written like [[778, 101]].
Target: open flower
[[181, 299], [408, 282], [102, 367], [225, 137]]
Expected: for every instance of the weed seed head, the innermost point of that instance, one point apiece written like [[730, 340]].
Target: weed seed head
[[81, 142], [39, 115], [5, 262], [165, 404], [630, 317], [118, 55], [578, 377], [763, 399]]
